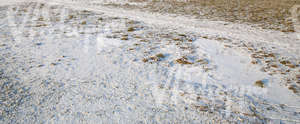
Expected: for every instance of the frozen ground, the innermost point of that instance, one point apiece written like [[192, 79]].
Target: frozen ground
[[75, 62]]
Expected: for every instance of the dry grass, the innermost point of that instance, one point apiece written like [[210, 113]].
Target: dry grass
[[41, 25], [124, 37], [83, 23], [156, 58], [160, 55], [202, 108], [269, 14], [294, 88], [183, 61], [71, 17], [203, 61], [259, 83], [131, 29]]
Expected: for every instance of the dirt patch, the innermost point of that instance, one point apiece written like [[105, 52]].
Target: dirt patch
[[269, 14]]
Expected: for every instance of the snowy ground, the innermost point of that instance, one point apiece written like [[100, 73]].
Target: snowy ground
[[73, 62]]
